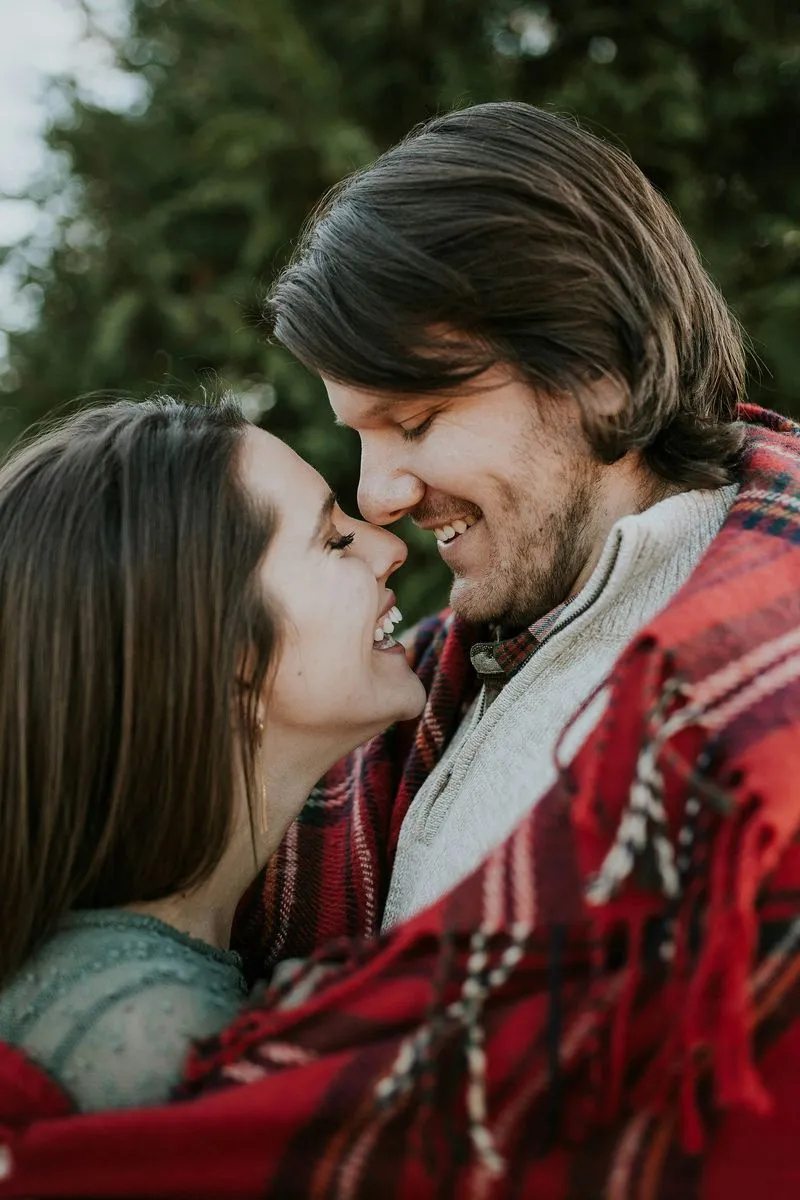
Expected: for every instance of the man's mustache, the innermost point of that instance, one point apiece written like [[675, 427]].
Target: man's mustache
[[443, 511]]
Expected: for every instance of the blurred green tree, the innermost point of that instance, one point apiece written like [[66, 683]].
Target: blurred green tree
[[183, 209]]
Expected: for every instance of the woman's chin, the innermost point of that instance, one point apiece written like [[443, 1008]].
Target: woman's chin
[[415, 702], [405, 703]]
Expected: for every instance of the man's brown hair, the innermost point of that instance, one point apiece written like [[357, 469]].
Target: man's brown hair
[[128, 598], [503, 233]]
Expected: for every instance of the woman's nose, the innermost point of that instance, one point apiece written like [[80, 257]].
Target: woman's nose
[[388, 552]]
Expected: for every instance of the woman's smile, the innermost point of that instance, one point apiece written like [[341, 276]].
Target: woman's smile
[[390, 617]]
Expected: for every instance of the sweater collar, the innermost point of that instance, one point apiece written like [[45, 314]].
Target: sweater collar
[[640, 550]]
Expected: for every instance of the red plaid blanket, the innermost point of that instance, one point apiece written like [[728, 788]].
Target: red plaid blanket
[[605, 1008]]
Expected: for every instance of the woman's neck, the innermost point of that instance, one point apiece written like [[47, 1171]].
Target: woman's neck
[[206, 912], [202, 913]]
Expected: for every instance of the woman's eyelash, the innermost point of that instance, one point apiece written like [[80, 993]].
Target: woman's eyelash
[[410, 435], [342, 542]]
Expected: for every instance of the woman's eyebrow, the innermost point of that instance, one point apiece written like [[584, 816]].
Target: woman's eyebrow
[[328, 506]]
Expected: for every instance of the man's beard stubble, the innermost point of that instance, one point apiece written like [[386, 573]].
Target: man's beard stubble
[[533, 573]]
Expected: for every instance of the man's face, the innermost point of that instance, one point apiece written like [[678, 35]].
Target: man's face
[[513, 474]]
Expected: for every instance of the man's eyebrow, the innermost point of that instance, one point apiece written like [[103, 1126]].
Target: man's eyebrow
[[380, 408], [328, 505]]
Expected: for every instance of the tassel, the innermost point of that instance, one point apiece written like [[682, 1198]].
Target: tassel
[[738, 1079], [691, 1126], [719, 1009], [619, 1031]]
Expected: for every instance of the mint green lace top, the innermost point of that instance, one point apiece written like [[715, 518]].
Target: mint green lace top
[[110, 1003]]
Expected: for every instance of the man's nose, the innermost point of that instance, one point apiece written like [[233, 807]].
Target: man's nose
[[386, 490]]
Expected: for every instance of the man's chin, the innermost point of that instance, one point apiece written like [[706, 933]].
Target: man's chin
[[471, 602], [476, 605]]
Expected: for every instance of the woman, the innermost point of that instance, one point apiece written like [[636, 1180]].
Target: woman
[[191, 633]]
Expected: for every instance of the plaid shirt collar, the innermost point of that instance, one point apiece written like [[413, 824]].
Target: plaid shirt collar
[[497, 662]]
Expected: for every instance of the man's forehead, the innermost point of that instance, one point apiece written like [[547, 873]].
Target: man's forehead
[[351, 404]]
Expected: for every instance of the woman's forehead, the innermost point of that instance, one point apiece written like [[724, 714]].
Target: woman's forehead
[[274, 472]]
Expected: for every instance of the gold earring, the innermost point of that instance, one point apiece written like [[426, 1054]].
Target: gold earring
[[262, 812]]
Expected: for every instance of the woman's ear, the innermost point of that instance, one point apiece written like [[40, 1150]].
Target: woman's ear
[[245, 705], [250, 709]]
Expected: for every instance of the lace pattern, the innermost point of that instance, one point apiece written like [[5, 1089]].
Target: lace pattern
[[110, 1004]]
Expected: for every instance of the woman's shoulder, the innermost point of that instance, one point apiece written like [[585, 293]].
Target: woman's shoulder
[[110, 1004]]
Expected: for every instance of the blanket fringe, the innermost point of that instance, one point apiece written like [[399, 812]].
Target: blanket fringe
[[466, 1013], [716, 1029]]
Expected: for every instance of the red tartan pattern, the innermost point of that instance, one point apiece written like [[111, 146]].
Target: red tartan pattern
[[580, 1016]]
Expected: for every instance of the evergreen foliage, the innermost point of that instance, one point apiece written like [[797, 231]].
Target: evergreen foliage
[[184, 208]]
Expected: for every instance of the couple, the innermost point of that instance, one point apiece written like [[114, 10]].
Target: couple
[[579, 855]]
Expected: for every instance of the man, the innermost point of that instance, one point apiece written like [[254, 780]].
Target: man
[[583, 859], [543, 376]]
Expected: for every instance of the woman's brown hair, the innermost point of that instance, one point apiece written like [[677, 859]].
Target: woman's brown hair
[[128, 595], [530, 242]]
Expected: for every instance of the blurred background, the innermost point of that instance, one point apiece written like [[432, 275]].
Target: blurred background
[[158, 157]]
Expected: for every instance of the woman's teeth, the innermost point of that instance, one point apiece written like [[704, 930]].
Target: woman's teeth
[[446, 533], [385, 630]]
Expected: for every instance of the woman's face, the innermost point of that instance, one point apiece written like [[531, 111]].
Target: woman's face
[[334, 684]]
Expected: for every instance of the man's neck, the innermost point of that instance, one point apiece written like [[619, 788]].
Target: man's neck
[[632, 489]]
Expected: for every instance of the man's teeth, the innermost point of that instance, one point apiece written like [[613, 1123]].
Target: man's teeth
[[446, 533], [386, 627]]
